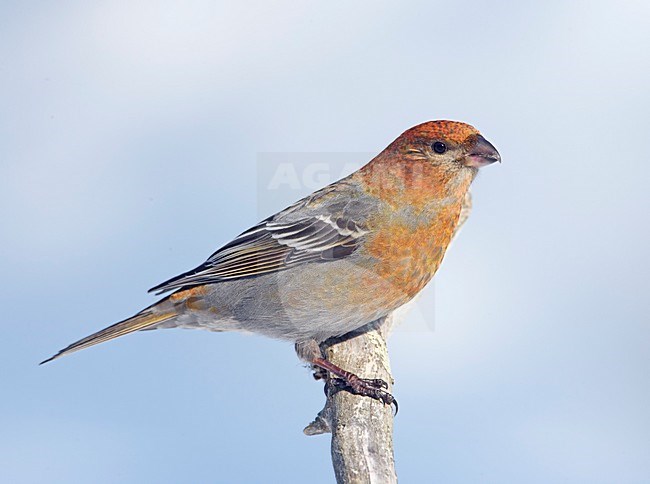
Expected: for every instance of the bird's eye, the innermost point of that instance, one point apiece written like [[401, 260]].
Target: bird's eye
[[439, 147]]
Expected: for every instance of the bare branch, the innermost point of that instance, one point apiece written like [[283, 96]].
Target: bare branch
[[362, 428]]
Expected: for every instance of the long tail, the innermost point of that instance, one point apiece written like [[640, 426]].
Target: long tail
[[142, 320]]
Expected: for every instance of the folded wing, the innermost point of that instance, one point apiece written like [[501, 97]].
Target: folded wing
[[326, 226]]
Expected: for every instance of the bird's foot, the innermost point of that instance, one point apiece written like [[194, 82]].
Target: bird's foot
[[367, 387]]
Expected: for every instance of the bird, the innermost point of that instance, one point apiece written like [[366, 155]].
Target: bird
[[334, 261]]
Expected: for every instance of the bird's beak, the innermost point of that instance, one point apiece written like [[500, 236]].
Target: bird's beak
[[481, 153]]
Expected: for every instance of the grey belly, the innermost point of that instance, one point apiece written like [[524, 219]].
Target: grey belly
[[297, 304]]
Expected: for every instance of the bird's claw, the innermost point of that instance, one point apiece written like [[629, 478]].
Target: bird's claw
[[366, 387], [376, 382]]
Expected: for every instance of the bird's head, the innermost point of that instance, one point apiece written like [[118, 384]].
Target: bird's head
[[448, 144], [431, 161]]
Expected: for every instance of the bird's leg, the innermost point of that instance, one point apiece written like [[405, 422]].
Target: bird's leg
[[367, 387], [310, 351]]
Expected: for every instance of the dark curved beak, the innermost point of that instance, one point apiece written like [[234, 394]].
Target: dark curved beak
[[482, 153]]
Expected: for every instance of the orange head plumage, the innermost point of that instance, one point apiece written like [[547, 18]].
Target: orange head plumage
[[442, 142], [450, 131], [428, 161]]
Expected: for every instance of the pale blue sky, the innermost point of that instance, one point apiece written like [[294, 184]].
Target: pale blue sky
[[131, 147]]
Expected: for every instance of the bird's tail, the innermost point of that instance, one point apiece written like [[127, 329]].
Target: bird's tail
[[143, 320]]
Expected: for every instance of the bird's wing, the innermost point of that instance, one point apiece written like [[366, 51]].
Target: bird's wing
[[328, 225]]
